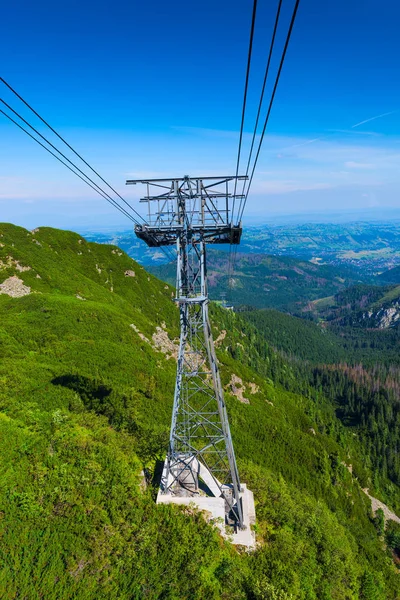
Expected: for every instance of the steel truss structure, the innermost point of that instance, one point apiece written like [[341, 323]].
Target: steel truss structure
[[191, 212]]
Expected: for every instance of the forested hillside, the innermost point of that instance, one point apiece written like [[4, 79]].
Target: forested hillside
[[265, 281], [297, 337], [357, 369], [87, 341], [390, 276], [368, 306]]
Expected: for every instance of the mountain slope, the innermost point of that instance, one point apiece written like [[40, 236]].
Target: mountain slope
[[297, 337], [362, 306], [357, 369], [265, 281], [390, 276], [86, 388]]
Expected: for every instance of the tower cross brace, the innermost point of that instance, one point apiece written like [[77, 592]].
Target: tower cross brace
[[189, 213]]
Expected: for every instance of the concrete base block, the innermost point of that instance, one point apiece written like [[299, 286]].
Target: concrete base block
[[246, 537], [214, 508]]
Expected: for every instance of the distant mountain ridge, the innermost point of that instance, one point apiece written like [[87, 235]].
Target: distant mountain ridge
[[326, 240]]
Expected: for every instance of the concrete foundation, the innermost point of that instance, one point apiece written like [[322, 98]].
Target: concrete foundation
[[214, 509]]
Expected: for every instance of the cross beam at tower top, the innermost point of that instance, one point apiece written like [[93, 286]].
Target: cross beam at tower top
[[207, 209]]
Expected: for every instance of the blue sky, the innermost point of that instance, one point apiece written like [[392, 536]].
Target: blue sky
[[155, 89]]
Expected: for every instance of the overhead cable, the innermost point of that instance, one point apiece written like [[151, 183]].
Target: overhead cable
[[116, 205], [64, 156], [69, 146], [271, 48], [246, 85], [110, 200], [232, 260], [270, 104]]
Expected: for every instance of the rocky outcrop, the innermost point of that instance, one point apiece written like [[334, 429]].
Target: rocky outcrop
[[383, 318], [236, 388], [162, 342], [10, 262], [14, 287], [388, 316]]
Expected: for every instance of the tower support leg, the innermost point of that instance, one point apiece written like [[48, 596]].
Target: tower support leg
[[201, 459]]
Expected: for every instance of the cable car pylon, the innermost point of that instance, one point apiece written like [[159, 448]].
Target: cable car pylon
[[200, 466]]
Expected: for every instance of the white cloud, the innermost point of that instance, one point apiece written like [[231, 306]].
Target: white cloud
[[331, 169]]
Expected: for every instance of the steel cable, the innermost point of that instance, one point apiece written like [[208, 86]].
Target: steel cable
[[270, 105], [62, 154], [242, 204], [94, 187], [271, 48], [116, 205], [246, 85], [69, 146]]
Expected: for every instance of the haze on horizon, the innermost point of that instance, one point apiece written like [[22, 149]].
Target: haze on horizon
[[139, 98]]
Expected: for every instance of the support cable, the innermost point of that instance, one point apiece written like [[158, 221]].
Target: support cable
[[271, 48], [168, 254], [63, 155], [246, 85], [270, 105], [112, 202], [242, 204], [70, 147]]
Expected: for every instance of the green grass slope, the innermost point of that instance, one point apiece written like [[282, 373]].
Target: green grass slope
[[85, 404]]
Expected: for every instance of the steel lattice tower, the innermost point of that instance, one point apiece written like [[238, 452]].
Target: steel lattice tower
[[189, 213]]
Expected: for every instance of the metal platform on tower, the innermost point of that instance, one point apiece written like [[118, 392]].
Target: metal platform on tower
[[207, 207], [200, 466]]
